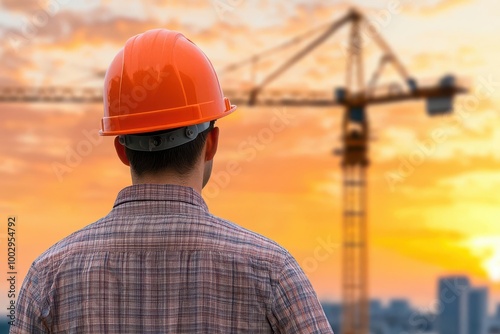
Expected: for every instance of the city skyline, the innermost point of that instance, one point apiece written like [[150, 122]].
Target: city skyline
[[461, 308]]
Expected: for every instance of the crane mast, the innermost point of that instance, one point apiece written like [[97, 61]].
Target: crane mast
[[354, 163]]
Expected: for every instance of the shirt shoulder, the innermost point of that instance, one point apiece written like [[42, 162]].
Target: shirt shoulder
[[69, 244], [250, 243], [228, 237]]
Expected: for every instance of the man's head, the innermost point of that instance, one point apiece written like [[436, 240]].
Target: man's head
[[161, 98], [192, 160]]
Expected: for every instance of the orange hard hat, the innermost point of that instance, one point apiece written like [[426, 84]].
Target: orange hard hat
[[160, 80]]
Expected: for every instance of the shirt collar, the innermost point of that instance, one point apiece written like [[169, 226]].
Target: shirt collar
[[159, 198]]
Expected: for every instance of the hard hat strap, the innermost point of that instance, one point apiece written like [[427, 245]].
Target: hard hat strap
[[165, 140]]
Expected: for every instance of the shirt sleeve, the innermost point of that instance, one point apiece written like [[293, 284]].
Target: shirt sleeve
[[295, 306], [28, 316]]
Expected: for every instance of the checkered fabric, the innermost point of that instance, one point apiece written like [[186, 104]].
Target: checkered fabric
[[159, 262]]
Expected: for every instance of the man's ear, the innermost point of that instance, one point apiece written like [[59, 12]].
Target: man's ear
[[211, 144], [120, 151]]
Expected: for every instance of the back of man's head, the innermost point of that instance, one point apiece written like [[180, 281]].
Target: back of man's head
[[180, 159], [161, 98]]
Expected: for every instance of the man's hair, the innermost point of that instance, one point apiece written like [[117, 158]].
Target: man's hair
[[180, 159]]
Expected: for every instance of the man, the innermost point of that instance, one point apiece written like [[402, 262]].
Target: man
[[159, 262]]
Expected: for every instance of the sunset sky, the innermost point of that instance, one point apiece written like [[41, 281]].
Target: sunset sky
[[441, 217]]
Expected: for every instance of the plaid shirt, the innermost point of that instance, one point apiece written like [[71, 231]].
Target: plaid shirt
[[159, 262]]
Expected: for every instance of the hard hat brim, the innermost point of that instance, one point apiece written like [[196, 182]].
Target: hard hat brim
[[160, 119]]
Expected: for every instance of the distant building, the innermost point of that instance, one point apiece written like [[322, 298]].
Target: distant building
[[377, 317], [333, 313], [399, 307], [453, 292], [397, 314], [494, 322], [494, 326], [462, 309], [478, 311], [376, 309]]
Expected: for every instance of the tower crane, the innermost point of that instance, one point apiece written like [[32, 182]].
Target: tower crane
[[355, 142], [354, 98]]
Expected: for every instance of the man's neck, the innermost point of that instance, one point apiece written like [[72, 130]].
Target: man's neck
[[168, 178]]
